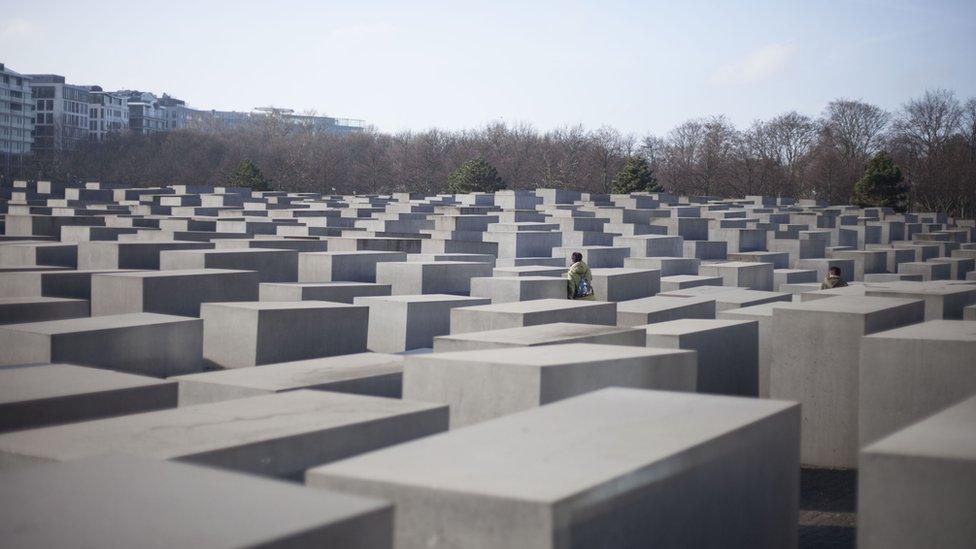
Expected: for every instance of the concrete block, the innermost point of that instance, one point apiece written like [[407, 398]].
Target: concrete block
[[271, 265], [131, 254], [816, 345], [138, 343], [49, 394], [649, 310], [541, 334], [651, 245], [530, 313], [821, 265], [728, 351], [917, 487], [668, 266], [622, 284], [484, 384], [116, 501], [531, 270], [727, 298], [277, 435], [763, 316], [959, 266], [680, 282], [16, 310], [169, 292], [595, 256], [359, 266], [250, 333], [404, 322], [930, 270], [506, 289], [793, 276], [435, 277], [339, 291], [371, 374], [754, 276], [620, 453], [705, 249], [942, 301], [912, 372]]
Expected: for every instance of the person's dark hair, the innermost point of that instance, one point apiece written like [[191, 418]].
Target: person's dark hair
[[577, 257], [834, 271]]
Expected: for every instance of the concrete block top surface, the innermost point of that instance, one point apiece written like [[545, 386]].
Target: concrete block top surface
[[933, 330], [685, 326], [276, 305], [948, 435], [908, 287], [118, 501], [42, 381], [540, 334], [548, 355], [191, 430], [96, 323], [537, 305], [171, 273], [850, 304], [661, 303], [460, 300], [754, 311], [283, 376], [563, 449]]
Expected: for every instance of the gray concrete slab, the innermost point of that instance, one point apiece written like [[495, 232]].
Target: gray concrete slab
[[433, 277], [530, 313], [622, 284], [272, 265], [116, 501], [338, 291], [620, 466], [542, 334], [357, 266], [659, 308], [277, 435], [16, 310], [174, 292], [405, 322]]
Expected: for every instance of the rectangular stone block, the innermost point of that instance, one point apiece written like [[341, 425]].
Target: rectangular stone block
[[271, 265], [816, 345], [728, 351], [727, 298], [635, 482], [359, 266], [16, 310], [249, 333], [49, 394], [754, 276], [530, 313], [942, 301], [339, 291], [821, 265], [649, 310], [651, 245], [138, 343], [531, 270], [917, 487], [507, 289], [541, 334], [371, 374], [595, 256], [484, 384], [405, 322], [622, 284], [116, 501], [435, 277], [131, 254], [912, 372], [169, 292], [929, 270], [680, 282], [667, 265], [277, 435]]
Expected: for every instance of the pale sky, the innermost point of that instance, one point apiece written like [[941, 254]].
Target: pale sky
[[639, 66]]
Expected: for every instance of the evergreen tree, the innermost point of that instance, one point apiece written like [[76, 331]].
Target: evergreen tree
[[249, 175], [635, 176], [475, 176], [881, 185]]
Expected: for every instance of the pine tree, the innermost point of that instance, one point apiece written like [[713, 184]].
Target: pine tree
[[636, 176], [881, 185], [249, 175], [475, 175]]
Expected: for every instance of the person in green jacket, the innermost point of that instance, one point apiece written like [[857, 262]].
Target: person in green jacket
[[577, 272], [833, 279]]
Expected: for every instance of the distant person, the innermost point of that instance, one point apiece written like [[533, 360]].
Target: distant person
[[833, 279], [579, 283]]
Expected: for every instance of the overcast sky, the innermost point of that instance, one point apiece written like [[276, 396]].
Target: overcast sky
[[640, 66]]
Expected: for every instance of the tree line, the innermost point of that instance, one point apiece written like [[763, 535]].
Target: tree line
[[930, 139]]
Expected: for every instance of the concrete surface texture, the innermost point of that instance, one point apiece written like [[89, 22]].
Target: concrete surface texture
[[573, 474], [483, 384], [541, 334]]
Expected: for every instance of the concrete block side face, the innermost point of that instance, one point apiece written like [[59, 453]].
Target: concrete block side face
[[296, 334], [672, 372], [387, 327], [814, 362], [230, 336], [183, 295], [21, 347], [192, 392], [87, 406], [728, 359], [114, 295], [158, 350], [896, 316], [434, 519], [473, 392], [912, 501], [903, 381], [759, 464]]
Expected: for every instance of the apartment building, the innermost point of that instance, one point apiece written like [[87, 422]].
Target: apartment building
[[61, 115], [108, 113]]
